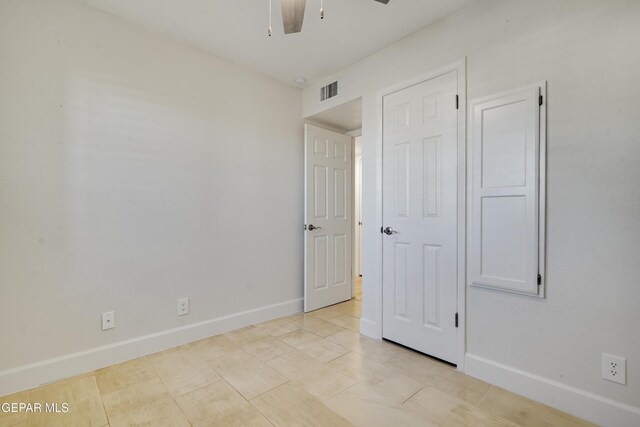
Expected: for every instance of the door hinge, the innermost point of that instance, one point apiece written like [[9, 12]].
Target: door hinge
[[540, 100], [457, 102], [456, 320], [539, 280]]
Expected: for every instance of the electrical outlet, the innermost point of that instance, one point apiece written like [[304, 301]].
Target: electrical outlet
[[183, 306], [108, 320], [614, 368]]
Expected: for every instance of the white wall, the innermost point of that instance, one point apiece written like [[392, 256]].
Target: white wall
[[588, 51], [134, 171]]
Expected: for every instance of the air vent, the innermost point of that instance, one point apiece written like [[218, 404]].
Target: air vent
[[329, 91]]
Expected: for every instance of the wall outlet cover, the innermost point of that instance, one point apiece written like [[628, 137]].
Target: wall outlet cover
[[108, 320], [614, 368], [183, 306]]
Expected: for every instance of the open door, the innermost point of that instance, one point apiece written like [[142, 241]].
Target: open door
[[328, 222]]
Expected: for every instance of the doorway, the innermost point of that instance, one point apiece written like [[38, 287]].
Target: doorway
[[333, 212]]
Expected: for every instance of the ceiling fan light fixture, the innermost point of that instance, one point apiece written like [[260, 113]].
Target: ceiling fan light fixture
[[292, 15]]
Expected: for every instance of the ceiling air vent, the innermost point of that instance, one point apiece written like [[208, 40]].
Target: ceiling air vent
[[329, 91]]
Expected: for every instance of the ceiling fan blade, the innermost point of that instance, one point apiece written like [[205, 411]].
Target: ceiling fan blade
[[293, 15], [383, 1]]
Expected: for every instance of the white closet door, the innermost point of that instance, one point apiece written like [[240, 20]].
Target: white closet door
[[420, 214], [506, 183]]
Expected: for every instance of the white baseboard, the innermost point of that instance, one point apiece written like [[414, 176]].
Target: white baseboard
[[370, 329], [583, 404], [35, 374]]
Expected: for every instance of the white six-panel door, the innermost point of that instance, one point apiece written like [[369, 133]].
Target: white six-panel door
[[328, 221], [420, 182]]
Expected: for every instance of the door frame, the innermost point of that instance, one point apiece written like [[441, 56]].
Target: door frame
[[373, 326], [355, 133], [357, 211]]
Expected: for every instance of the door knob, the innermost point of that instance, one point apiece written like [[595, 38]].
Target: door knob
[[389, 231], [313, 227]]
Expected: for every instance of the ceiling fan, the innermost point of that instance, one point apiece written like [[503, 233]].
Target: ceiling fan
[[293, 14]]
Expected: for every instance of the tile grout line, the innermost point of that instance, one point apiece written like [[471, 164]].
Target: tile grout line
[[29, 400], [355, 383], [417, 391], [229, 383], [175, 400], [271, 389], [258, 409], [104, 407], [102, 394], [489, 411], [477, 405]]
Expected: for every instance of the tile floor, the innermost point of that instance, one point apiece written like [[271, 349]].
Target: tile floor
[[305, 370]]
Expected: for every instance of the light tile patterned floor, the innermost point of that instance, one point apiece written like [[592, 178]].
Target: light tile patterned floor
[[306, 370]]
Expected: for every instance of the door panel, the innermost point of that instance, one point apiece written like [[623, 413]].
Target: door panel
[[340, 260], [420, 203], [340, 194], [432, 169], [320, 187], [401, 270], [402, 176], [505, 224], [321, 262], [328, 226], [431, 289]]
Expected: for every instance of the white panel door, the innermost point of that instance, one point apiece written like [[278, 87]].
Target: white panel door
[[504, 247], [420, 182], [327, 239]]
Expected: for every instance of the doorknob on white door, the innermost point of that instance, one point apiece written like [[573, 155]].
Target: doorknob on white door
[[389, 231], [313, 227]]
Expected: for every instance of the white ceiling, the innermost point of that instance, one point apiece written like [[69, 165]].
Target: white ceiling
[[237, 30]]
